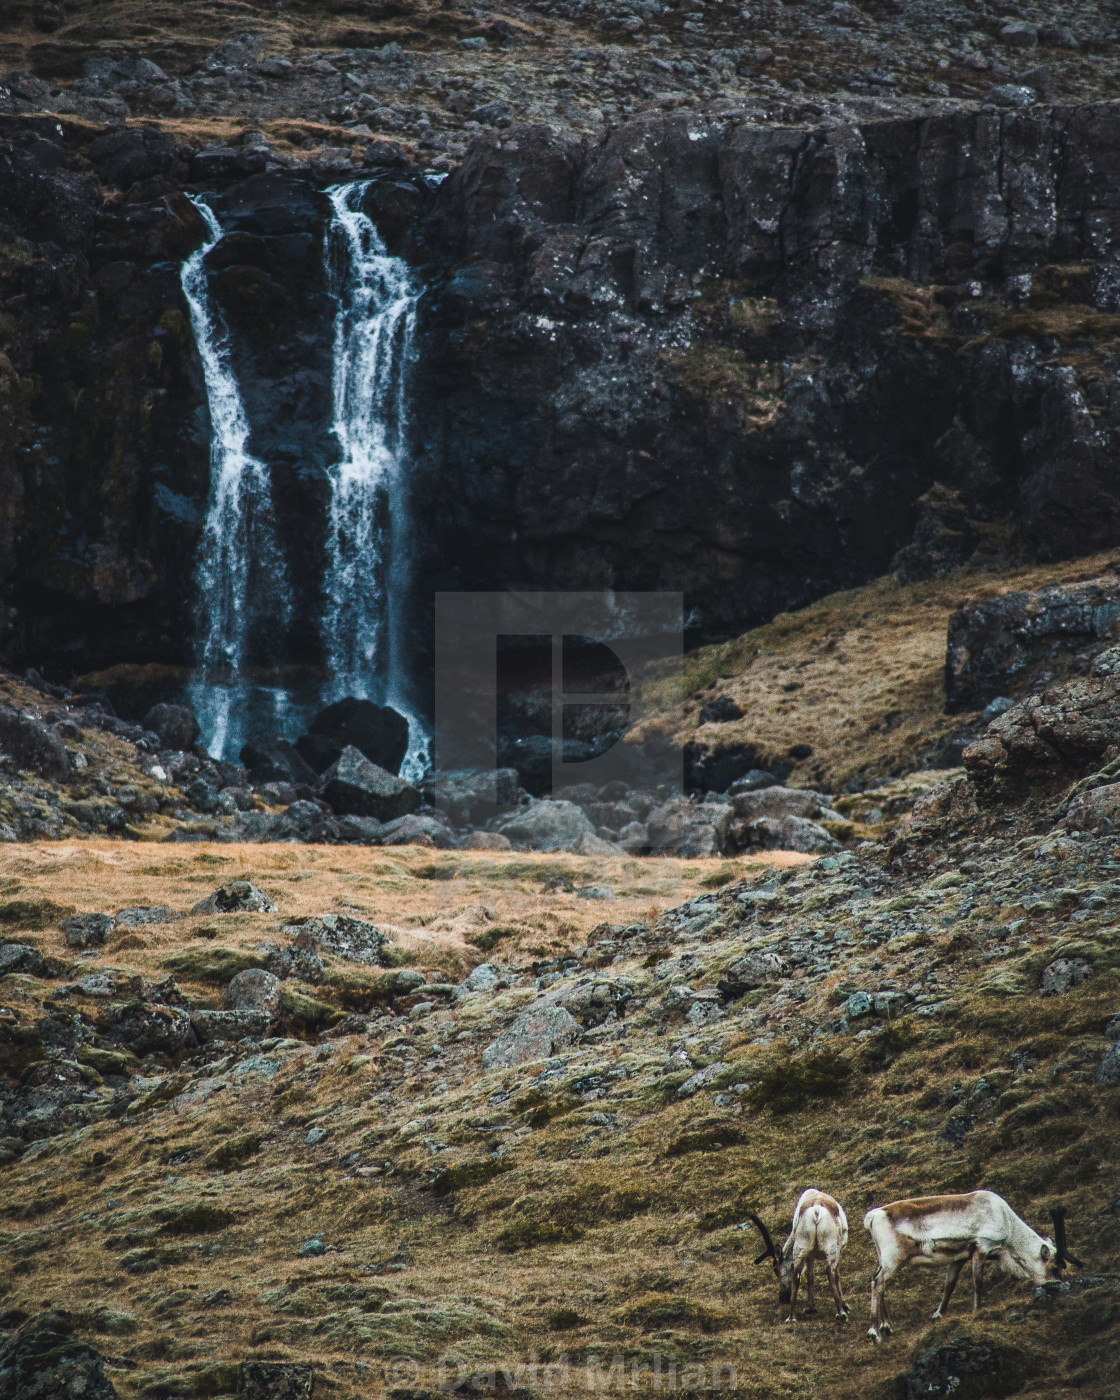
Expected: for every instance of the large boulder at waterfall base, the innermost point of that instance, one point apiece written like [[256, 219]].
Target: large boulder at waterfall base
[[355, 787], [277, 761], [378, 732], [176, 726]]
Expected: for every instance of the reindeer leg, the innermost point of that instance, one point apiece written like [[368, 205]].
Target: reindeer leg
[[811, 1309], [794, 1285], [837, 1293], [951, 1276], [977, 1279], [878, 1283]]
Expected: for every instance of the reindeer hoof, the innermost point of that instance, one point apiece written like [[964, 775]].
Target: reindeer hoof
[[874, 1336], [937, 1315], [809, 1312]]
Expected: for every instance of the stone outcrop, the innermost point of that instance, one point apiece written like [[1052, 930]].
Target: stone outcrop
[[744, 303], [1000, 646]]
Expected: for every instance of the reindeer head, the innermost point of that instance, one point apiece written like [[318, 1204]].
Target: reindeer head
[[783, 1270]]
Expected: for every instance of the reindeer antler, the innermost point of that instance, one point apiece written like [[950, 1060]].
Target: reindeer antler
[[1058, 1216], [770, 1252]]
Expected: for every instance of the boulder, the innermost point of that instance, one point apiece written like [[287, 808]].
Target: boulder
[[966, 1370], [151, 1028], [417, 829], [22, 958], [344, 936], [88, 930], [472, 796], [45, 1359], [486, 841], [229, 1025], [722, 710], [774, 801], [1000, 645], [1062, 974], [299, 962], [752, 780], [683, 827], [141, 915], [176, 726], [1095, 810], [356, 787], [715, 769], [31, 746], [484, 978], [633, 837], [253, 990], [1109, 1069], [277, 761], [754, 969], [378, 732], [547, 825], [781, 834], [1067, 728], [590, 1000], [540, 1031], [240, 897], [278, 1380]]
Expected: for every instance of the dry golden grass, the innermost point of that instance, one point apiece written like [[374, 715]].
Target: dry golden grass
[[434, 900], [859, 675]]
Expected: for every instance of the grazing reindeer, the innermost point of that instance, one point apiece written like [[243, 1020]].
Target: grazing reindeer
[[820, 1231], [977, 1229]]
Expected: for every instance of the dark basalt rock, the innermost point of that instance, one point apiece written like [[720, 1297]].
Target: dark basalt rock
[[378, 731], [176, 726], [966, 1370], [356, 787], [274, 1380], [44, 1359], [1000, 646], [277, 761], [88, 930], [29, 744]]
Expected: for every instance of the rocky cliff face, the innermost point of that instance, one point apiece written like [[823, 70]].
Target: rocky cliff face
[[752, 354], [746, 354]]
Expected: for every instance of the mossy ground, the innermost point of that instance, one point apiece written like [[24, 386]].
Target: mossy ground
[[611, 1225], [858, 676]]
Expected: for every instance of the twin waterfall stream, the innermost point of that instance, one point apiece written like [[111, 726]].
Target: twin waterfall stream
[[244, 602]]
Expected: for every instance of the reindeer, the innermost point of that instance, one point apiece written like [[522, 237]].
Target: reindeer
[[820, 1231], [977, 1229]]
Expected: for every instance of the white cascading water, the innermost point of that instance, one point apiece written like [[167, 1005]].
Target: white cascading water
[[241, 580], [366, 574]]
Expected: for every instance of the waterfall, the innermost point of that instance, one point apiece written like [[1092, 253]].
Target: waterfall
[[241, 583], [366, 575]]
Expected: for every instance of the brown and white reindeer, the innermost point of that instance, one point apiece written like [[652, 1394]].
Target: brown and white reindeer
[[820, 1231], [977, 1229]]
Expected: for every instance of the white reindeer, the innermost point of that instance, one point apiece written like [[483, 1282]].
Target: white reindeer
[[820, 1231], [977, 1228]]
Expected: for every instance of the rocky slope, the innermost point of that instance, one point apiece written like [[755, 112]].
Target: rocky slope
[[376, 1176]]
